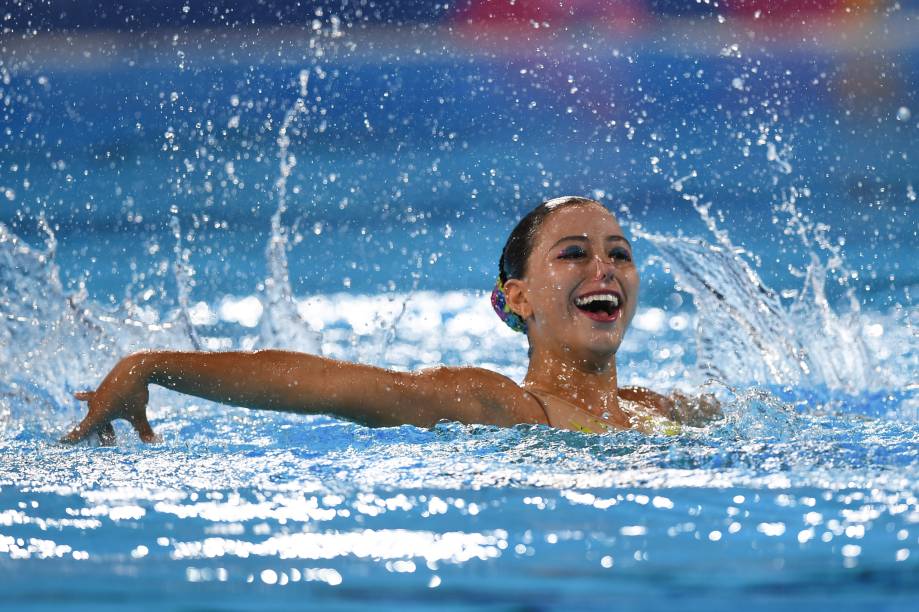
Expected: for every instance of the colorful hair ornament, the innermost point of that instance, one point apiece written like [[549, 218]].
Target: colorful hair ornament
[[499, 303]]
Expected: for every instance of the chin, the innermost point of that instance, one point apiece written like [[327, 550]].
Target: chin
[[603, 344]]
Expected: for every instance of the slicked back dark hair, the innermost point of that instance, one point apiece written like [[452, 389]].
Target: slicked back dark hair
[[519, 244]]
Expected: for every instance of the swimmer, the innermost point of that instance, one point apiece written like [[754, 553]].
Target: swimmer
[[567, 279]]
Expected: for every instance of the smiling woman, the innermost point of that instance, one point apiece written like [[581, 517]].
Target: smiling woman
[[577, 292], [567, 279]]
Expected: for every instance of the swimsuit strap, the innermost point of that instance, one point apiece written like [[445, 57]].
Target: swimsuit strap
[[582, 411], [542, 405], [538, 394]]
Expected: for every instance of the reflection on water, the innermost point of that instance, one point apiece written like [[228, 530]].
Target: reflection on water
[[769, 497]]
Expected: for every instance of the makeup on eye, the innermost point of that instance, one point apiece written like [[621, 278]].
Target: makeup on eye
[[617, 253], [572, 252], [620, 254]]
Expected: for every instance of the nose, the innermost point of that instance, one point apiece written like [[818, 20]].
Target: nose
[[605, 268]]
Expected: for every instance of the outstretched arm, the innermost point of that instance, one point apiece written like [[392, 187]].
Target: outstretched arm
[[298, 382]]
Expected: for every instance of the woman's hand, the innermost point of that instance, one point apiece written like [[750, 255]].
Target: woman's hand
[[122, 395], [694, 411]]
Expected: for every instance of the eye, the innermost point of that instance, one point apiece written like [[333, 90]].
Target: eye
[[571, 252], [620, 254]]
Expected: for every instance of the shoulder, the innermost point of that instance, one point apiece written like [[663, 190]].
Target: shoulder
[[501, 400]]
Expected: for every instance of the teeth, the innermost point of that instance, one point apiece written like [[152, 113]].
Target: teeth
[[598, 297]]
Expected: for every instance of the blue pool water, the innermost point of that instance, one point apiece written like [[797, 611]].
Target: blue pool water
[[346, 191]]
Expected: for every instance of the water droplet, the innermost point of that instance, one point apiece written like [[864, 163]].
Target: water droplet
[[903, 114]]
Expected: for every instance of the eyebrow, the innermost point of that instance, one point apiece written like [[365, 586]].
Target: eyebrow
[[611, 238]]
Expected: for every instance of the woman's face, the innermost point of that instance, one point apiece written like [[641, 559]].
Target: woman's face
[[581, 287]]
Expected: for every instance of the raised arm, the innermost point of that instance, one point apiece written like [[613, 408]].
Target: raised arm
[[297, 382]]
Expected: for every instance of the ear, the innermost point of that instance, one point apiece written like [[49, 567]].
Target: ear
[[515, 290]]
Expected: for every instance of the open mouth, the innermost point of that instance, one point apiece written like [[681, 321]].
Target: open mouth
[[600, 306]]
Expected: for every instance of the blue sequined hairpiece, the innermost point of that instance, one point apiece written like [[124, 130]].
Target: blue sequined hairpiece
[[499, 303]]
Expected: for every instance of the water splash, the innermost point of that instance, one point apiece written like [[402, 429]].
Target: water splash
[[281, 326], [184, 275], [745, 334], [54, 341]]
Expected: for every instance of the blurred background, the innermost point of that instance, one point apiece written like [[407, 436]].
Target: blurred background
[[143, 131]]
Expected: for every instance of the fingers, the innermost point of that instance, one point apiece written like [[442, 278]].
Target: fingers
[[80, 432], [144, 430], [98, 421], [85, 428], [106, 435], [73, 437]]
